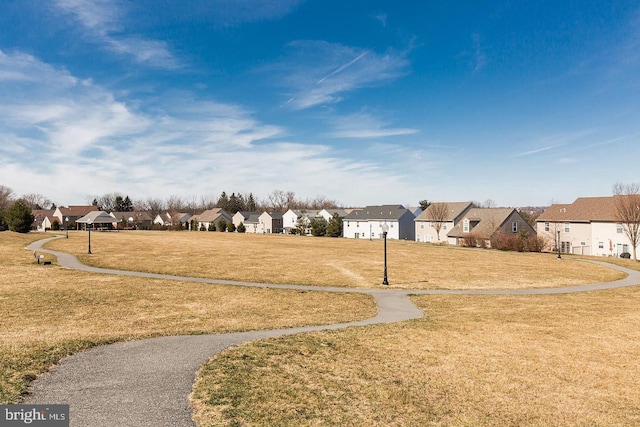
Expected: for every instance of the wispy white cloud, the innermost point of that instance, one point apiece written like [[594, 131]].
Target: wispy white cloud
[[363, 125], [318, 72], [103, 21], [72, 139]]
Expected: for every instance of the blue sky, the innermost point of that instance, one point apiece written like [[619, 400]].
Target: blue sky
[[363, 102]]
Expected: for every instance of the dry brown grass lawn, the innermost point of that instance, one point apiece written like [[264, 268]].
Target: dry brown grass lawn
[[47, 312], [327, 261], [561, 360]]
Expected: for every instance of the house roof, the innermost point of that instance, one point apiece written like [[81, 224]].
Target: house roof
[[485, 221], [454, 211], [211, 215], [382, 212], [583, 209], [341, 212], [76, 210], [274, 215]]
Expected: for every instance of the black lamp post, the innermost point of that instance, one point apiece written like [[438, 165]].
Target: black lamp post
[[89, 228], [385, 230], [66, 225], [559, 256]]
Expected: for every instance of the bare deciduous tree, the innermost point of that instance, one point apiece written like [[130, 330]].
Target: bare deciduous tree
[[627, 203], [438, 214], [36, 201]]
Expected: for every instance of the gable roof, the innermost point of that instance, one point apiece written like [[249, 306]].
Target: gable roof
[[455, 210], [583, 209], [77, 210], [211, 215], [485, 221], [382, 212], [273, 215]]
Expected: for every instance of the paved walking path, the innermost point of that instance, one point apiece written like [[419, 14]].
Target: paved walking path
[[147, 382]]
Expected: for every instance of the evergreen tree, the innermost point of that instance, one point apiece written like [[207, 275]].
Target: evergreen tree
[[222, 225], [241, 228], [334, 228], [231, 227], [19, 217], [318, 226], [251, 203]]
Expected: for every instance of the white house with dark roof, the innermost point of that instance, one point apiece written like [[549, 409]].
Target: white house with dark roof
[[429, 220], [367, 223]]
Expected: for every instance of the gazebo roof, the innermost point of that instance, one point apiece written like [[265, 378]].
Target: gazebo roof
[[97, 217]]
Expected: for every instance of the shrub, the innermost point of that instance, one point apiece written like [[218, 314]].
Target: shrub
[[241, 228], [222, 225], [231, 228], [471, 240]]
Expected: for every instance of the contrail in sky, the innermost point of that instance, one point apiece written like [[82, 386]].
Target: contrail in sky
[[348, 64]]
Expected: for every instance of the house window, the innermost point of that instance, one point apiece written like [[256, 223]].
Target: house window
[[465, 226], [546, 226], [514, 227], [357, 235], [444, 227], [619, 228], [422, 226], [428, 238], [600, 245], [567, 227], [565, 247]]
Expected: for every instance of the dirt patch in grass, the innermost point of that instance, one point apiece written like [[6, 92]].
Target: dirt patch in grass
[[328, 261], [47, 312], [472, 361]]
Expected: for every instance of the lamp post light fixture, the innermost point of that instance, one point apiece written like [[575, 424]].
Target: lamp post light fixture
[[559, 256], [66, 225], [89, 228], [385, 230]]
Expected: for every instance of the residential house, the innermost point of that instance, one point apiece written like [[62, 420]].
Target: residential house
[[43, 219], [242, 217], [483, 223], [367, 223], [328, 213], [67, 216], [442, 215], [137, 220], [271, 222], [169, 219], [211, 216], [588, 226], [293, 218]]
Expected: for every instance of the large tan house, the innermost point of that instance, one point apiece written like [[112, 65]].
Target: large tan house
[[428, 222], [588, 226]]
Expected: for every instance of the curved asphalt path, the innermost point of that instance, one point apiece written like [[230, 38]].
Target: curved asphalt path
[[147, 382]]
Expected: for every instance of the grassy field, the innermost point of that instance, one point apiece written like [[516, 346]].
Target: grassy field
[[561, 360], [471, 361], [48, 312], [327, 261]]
